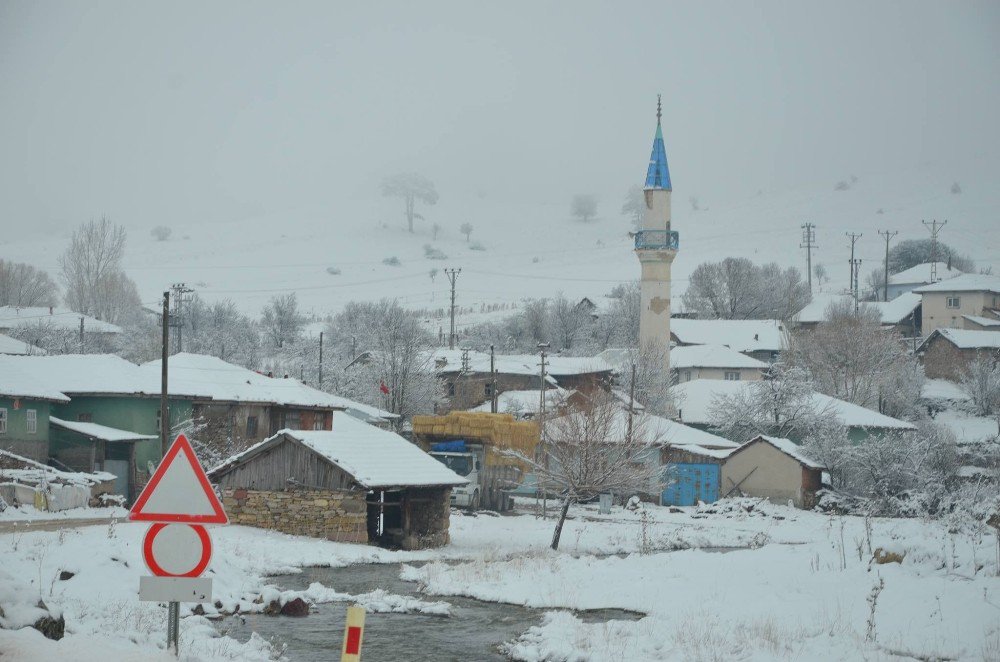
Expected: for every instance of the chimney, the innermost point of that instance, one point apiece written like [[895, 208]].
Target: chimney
[[50, 310]]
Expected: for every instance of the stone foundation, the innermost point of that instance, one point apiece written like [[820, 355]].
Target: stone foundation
[[430, 515], [334, 515]]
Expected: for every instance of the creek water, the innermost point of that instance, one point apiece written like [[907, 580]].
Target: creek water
[[472, 633]]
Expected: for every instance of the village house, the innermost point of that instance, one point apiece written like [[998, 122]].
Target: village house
[[918, 276], [949, 303], [25, 406], [16, 347], [351, 483], [469, 382], [696, 398], [773, 468], [946, 353], [903, 314], [763, 340]]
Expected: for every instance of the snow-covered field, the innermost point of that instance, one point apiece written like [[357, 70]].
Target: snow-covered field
[[798, 586]]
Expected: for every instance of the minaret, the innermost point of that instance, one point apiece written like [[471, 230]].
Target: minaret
[[656, 246]]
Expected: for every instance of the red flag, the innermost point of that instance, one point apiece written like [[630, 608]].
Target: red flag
[[385, 389]]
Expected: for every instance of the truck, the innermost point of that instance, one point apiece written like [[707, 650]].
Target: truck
[[478, 446]]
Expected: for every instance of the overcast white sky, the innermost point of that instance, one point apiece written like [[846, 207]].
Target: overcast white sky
[[214, 111]]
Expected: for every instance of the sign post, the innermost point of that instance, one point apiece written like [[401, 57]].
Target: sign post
[[354, 631], [179, 500]]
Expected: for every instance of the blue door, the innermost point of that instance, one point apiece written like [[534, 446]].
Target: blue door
[[688, 483]]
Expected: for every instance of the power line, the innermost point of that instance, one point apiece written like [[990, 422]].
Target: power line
[[452, 277], [851, 276], [885, 288], [935, 228]]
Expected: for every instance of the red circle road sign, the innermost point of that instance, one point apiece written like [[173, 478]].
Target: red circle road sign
[[177, 550]]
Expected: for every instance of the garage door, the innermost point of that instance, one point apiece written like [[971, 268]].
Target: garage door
[[689, 483]]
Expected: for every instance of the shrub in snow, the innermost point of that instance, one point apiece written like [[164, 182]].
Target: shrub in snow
[[477, 246], [432, 253], [981, 381], [333, 271], [392, 261], [161, 232]]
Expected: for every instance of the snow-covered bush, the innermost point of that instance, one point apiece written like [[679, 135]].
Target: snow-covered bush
[[391, 261], [333, 271], [981, 381], [432, 253], [161, 232]]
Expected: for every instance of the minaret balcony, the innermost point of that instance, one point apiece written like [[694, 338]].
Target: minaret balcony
[[657, 240]]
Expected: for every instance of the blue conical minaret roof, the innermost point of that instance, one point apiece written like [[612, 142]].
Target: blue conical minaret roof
[[658, 175]]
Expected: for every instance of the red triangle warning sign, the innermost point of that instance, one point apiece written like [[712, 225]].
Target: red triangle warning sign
[[179, 491]]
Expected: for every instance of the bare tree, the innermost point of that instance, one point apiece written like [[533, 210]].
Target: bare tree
[[281, 320], [591, 451], [736, 288], [567, 323], [413, 188], [466, 229], [851, 357], [634, 206], [91, 262], [981, 381], [391, 366], [161, 232], [819, 271], [117, 299], [24, 285], [583, 207], [220, 329]]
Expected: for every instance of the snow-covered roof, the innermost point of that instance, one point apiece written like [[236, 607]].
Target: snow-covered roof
[[942, 389], [361, 411], [964, 283], [786, 446], [663, 431], [57, 318], [711, 356], [966, 338], [525, 401], [695, 399], [33, 472], [891, 312], [375, 458], [209, 377], [14, 346], [982, 321], [450, 360], [17, 381], [921, 274], [741, 335], [719, 453], [99, 432], [75, 374]]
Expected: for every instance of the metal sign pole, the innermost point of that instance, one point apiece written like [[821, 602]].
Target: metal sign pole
[[173, 627]]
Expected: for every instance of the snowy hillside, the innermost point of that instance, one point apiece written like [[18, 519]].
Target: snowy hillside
[[534, 250]]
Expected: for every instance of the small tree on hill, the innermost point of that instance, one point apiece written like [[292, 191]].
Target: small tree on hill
[[466, 229], [584, 207], [161, 232], [413, 188]]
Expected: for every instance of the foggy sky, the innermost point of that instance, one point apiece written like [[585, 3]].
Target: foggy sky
[[154, 113]]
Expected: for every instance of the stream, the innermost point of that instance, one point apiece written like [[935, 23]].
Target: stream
[[471, 633]]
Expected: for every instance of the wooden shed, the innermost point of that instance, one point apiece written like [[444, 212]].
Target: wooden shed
[[772, 468], [353, 483]]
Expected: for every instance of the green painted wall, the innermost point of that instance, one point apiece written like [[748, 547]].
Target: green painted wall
[[854, 435], [17, 427], [135, 414]]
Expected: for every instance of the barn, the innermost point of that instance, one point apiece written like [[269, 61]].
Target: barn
[[774, 469], [352, 483]]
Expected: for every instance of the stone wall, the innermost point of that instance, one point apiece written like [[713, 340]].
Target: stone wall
[[430, 516], [334, 515]]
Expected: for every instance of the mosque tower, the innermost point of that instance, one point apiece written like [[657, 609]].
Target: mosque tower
[[656, 246]]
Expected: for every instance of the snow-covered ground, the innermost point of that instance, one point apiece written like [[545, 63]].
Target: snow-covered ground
[[799, 586]]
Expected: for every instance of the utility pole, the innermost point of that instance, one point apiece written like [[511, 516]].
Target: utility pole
[[542, 346], [935, 227], [165, 352], [854, 239], [631, 407], [493, 381], [179, 290], [81, 336], [885, 287], [855, 268], [321, 360], [809, 243], [452, 277]]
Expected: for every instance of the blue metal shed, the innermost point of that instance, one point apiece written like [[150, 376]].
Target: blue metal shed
[[688, 483]]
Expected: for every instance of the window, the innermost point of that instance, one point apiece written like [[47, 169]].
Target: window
[[954, 302], [732, 375], [293, 420], [251, 426], [318, 422], [85, 417], [32, 421], [3, 421], [451, 389], [687, 375]]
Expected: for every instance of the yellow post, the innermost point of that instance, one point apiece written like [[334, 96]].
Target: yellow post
[[354, 630]]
